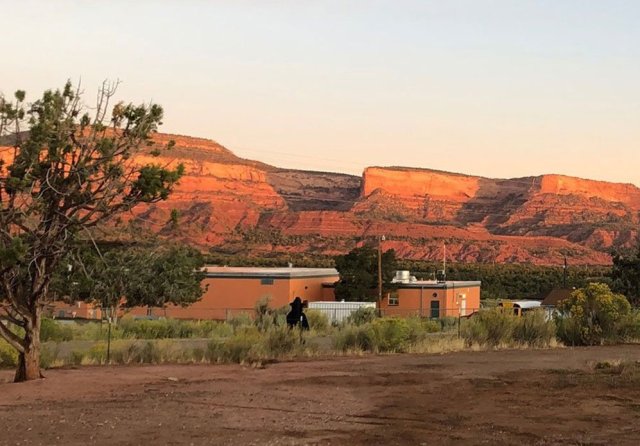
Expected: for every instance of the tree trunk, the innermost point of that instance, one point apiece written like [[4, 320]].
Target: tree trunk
[[29, 361]]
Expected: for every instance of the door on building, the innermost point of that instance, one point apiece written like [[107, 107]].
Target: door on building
[[435, 308], [462, 298]]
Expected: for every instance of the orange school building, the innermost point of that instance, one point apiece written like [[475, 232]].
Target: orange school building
[[234, 290], [433, 299]]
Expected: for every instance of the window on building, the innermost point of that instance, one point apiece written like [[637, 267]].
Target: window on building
[[266, 281], [393, 299]]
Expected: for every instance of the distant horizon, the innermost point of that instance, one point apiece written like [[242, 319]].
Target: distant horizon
[[491, 88], [311, 169]]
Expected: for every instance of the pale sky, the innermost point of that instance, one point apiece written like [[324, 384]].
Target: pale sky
[[489, 87]]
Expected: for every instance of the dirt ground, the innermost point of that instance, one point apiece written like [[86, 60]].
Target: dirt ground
[[467, 398]]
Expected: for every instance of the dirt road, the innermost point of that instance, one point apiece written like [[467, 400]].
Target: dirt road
[[468, 398]]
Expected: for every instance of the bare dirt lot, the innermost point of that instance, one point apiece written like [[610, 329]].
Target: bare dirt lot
[[534, 397]]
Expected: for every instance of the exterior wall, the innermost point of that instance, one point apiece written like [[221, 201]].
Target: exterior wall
[[416, 301], [310, 288], [229, 296], [328, 293]]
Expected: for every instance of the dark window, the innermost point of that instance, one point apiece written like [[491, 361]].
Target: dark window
[[435, 308], [393, 299], [435, 294], [266, 281]]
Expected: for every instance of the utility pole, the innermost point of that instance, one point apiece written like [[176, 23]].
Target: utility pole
[[564, 274], [380, 240]]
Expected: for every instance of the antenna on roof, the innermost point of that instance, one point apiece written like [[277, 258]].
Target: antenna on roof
[[444, 263]]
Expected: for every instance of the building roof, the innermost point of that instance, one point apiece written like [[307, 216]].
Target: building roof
[[524, 304], [429, 284], [274, 273], [556, 295]]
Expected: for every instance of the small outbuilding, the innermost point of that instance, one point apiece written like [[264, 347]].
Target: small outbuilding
[[235, 290], [430, 298]]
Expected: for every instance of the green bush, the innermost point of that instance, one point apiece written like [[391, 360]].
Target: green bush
[[48, 355], [127, 352], [317, 320], [594, 315], [392, 334], [156, 329], [358, 337], [534, 329], [448, 323], [76, 357], [210, 329], [147, 353], [8, 355], [496, 326], [240, 320], [387, 334], [241, 347], [628, 327], [363, 315], [51, 330], [280, 341], [263, 313], [490, 327], [98, 353]]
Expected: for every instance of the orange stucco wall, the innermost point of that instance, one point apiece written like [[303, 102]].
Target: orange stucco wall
[[227, 297], [417, 301]]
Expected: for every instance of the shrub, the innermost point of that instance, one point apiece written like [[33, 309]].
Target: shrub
[[239, 320], [48, 355], [355, 338], [593, 315], [628, 327], [392, 334], [8, 355], [155, 329], [76, 357], [51, 330], [263, 313], [363, 315], [239, 348], [98, 353], [388, 334], [534, 329], [448, 323], [491, 327], [317, 320], [280, 341], [125, 352]]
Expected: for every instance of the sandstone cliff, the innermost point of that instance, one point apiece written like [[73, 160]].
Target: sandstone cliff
[[234, 205]]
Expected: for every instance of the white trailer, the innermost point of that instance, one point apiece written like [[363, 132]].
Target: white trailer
[[337, 312]]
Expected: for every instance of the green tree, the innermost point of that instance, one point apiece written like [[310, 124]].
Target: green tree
[[592, 315], [359, 274], [66, 171], [132, 276], [625, 275]]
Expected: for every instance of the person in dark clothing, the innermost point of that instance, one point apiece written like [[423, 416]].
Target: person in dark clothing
[[296, 315]]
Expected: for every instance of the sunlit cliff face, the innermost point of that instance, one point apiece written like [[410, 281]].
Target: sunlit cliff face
[[245, 207]]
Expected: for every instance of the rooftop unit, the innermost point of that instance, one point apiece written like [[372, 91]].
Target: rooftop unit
[[404, 276]]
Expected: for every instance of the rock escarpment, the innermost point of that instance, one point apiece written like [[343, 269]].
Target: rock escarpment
[[233, 205]]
